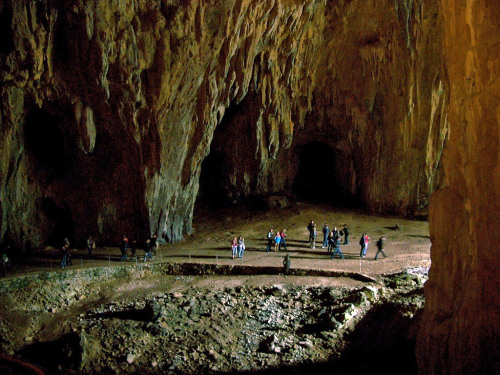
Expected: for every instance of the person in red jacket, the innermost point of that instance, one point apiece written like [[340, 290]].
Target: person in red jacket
[[283, 240]]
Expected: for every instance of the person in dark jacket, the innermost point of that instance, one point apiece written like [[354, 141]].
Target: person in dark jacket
[[270, 240], [336, 248], [380, 247], [65, 255], [154, 244], [147, 250], [311, 227], [362, 243], [124, 248], [4, 260], [331, 243], [326, 232], [346, 234], [312, 237], [90, 247]]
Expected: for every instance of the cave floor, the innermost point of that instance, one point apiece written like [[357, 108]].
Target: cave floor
[[209, 243], [30, 320]]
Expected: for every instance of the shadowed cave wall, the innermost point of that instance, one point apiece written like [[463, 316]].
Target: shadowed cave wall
[[109, 109]]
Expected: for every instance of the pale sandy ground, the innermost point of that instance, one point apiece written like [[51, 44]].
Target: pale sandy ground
[[407, 247], [212, 232]]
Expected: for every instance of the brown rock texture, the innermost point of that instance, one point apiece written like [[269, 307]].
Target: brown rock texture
[[108, 109], [461, 327]]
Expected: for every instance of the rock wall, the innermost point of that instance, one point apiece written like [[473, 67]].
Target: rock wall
[[461, 327], [108, 109]]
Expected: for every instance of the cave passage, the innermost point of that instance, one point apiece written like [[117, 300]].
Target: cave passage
[[62, 224], [317, 179], [6, 37], [211, 194]]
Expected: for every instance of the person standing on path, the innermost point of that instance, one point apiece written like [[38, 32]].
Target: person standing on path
[[234, 247], [65, 255], [362, 243], [346, 235], [283, 240], [270, 240], [326, 232], [310, 228], [147, 250], [380, 247], [241, 246], [336, 248], [331, 243], [277, 241], [124, 248], [90, 247], [4, 260], [312, 237], [154, 243], [367, 241], [133, 249]]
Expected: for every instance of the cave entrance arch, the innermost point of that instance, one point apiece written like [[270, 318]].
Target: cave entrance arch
[[232, 155], [318, 176]]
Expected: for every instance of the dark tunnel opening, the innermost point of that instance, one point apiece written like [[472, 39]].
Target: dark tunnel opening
[[6, 35], [319, 178], [211, 194], [47, 143], [61, 225]]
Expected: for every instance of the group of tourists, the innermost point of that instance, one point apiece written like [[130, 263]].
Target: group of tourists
[[275, 241], [149, 246], [364, 242], [332, 239]]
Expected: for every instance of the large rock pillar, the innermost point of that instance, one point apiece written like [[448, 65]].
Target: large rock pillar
[[460, 327]]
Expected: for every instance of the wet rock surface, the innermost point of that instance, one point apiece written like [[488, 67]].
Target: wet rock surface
[[271, 329]]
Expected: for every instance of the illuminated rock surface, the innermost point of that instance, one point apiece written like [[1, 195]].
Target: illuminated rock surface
[[461, 327], [110, 108]]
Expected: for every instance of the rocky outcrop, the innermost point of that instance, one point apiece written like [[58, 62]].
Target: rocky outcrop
[[141, 320], [110, 108], [461, 327]]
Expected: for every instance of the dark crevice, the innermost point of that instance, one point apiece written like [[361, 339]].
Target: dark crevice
[[6, 34], [211, 193], [61, 222]]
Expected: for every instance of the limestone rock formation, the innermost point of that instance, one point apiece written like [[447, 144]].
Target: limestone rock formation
[[461, 326], [108, 109]]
